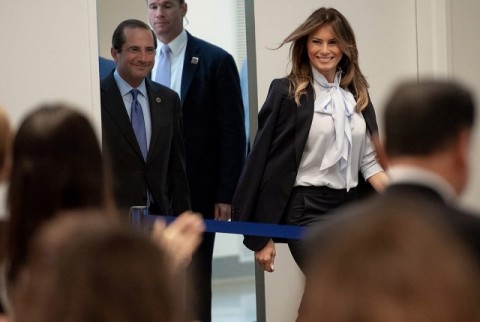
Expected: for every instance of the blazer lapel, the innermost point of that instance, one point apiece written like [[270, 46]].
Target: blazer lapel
[[303, 122], [370, 117], [155, 102], [114, 106], [190, 65]]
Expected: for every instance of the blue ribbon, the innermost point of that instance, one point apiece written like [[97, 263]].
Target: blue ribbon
[[140, 216]]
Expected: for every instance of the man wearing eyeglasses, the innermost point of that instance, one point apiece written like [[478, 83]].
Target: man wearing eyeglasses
[[142, 127]]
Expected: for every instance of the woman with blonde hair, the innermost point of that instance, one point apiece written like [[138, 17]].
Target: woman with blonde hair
[[314, 136]]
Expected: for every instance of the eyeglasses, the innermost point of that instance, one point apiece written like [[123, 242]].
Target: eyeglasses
[[137, 50]]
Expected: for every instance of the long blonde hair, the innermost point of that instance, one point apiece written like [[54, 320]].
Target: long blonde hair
[[301, 74]]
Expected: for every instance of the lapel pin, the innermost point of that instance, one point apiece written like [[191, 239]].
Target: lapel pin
[[158, 99], [194, 60]]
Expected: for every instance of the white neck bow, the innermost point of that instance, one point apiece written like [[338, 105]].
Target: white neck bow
[[333, 100]]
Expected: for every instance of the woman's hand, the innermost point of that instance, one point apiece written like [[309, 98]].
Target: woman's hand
[[222, 212], [266, 256]]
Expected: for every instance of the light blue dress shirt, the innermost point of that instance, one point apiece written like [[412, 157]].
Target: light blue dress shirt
[[125, 89], [177, 57]]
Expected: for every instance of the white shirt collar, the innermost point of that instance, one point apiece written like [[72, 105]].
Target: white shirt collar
[[176, 45], [417, 175], [125, 87]]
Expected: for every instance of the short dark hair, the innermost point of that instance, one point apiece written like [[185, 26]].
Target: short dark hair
[[118, 37], [423, 117]]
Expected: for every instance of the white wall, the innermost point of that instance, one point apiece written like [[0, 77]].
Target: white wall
[[212, 20], [464, 46], [48, 52], [387, 46]]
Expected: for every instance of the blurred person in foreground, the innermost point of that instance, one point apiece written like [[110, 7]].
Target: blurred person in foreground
[[5, 167], [105, 273], [58, 167], [397, 262], [428, 137]]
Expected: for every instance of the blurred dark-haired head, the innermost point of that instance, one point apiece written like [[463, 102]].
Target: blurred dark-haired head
[[424, 117], [57, 165]]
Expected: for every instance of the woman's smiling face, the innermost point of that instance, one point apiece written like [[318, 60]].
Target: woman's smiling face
[[324, 52]]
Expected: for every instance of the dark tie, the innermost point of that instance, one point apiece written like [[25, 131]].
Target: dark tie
[[164, 67], [138, 123]]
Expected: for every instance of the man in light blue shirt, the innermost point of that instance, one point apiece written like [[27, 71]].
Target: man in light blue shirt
[[142, 127]]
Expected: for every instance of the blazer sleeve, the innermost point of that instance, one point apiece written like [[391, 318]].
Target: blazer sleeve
[[370, 117], [231, 127], [364, 187], [178, 175], [245, 197]]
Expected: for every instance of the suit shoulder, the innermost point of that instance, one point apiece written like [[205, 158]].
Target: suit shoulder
[[107, 82], [284, 82], [280, 85], [207, 47], [160, 89]]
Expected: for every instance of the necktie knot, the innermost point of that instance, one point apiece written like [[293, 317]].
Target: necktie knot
[[134, 94], [165, 50]]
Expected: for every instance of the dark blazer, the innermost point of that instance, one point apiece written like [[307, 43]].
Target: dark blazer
[[214, 134], [399, 195], [269, 174], [467, 224], [164, 170], [213, 119]]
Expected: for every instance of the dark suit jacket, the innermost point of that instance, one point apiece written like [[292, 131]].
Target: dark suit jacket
[[401, 195], [269, 175], [164, 170], [467, 224], [213, 119]]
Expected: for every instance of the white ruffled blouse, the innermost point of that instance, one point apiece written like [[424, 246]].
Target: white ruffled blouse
[[338, 145]]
